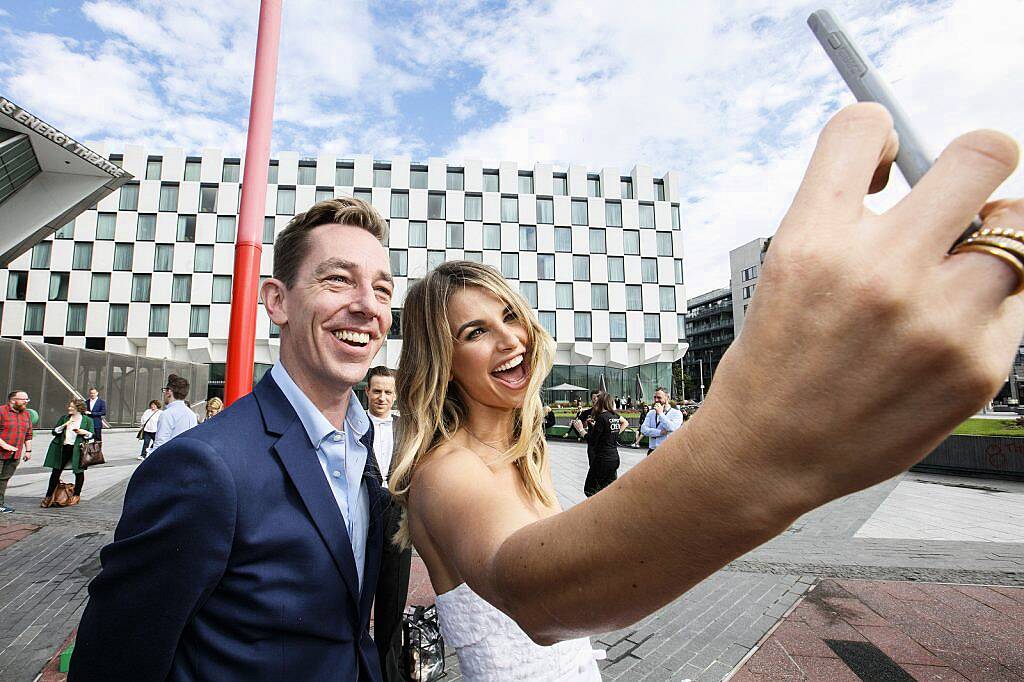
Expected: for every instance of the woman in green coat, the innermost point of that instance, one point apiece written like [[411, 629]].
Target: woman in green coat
[[69, 436]]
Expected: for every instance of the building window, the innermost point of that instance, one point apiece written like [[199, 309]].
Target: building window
[[17, 285], [363, 195], [560, 185], [81, 257], [545, 210], [181, 289], [395, 332], [616, 269], [199, 321], [626, 187], [455, 179], [203, 260], [221, 289], [154, 167], [490, 180], [599, 297], [269, 227], [647, 216], [35, 315], [649, 270], [41, 256], [307, 173], [748, 291], [652, 327], [323, 194], [435, 206], [563, 239], [275, 331], [434, 258], [634, 297], [665, 244], [474, 209], [563, 296], [140, 287], [158, 318], [613, 214], [579, 211], [593, 185], [192, 169], [399, 204], [226, 229], [285, 201], [59, 286], [117, 319], [418, 177], [659, 190], [581, 268], [529, 292], [679, 270], [65, 232], [631, 242], [231, 170], [168, 197], [681, 326], [145, 228], [749, 273], [509, 209], [598, 243], [667, 296], [399, 263], [417, 233], [99, 288], [186, 228], [510, 265], [548, 320], [344, 175], [129, 200], [272, 172], [492, 237], [527, 238], [381, 175], [582, 326], [475, 256], [526, 182], [124, 255], [455, 236], [106, 226], [676, 224], [163, 258], [545, 266], [617, 326]]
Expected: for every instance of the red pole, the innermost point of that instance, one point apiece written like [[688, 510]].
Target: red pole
[[249, 243]]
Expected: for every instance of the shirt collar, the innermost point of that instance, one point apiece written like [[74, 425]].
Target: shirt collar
[[317, 427], [378, 420]]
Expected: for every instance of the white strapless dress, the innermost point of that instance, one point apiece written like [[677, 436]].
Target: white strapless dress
[[491, 647]]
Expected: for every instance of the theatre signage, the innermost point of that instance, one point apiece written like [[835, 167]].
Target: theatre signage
[[37, 125]]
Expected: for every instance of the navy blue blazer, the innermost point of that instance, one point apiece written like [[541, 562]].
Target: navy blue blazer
[[98, 412], [232, 561]]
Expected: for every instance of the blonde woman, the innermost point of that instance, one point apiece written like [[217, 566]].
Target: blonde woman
[[903, 324], [213, 407]]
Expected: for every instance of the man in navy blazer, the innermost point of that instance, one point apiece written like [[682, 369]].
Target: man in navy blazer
[[249, 546], [96, 407]]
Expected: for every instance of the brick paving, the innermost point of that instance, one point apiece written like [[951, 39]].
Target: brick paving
[[52, 554]]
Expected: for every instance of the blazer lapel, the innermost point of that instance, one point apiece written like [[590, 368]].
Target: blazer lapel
[[375, 530]]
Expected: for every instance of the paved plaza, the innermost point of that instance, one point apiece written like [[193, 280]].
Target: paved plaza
[[918, 576]]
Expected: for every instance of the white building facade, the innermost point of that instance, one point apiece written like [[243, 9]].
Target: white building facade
[[147, 270]]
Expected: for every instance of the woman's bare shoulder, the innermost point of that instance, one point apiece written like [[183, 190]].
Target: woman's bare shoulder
[[447, 466]]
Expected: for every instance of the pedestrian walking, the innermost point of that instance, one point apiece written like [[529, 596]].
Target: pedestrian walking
[[213, 407], [15, 440], [96, 409], [69, 436], [150, 420], [661, 420], [603, 445], [176, 417]]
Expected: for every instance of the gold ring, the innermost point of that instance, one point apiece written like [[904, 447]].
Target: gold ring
[[999, 252]]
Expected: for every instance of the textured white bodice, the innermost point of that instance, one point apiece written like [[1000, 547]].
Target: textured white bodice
[[491, 647]]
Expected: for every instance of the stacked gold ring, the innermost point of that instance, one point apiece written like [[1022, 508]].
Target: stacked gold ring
[[1004, 243]]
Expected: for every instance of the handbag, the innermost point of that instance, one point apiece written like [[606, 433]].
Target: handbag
[[422, 644], [140, 435], [62, 495], [92, 453]]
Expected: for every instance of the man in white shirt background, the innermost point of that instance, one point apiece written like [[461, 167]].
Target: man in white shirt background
[[393, 581], [176, 418], [661, 421]]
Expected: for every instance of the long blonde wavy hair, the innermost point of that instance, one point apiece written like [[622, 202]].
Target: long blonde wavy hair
[[433, 409]]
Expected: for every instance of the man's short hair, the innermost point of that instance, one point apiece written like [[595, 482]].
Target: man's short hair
[[378, 371], [178, 386], [290, 247], [10, 396], [662, 389]]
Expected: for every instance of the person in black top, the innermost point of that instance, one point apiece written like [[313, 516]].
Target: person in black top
[[603, 431]]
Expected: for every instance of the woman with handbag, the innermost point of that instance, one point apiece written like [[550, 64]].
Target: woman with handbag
[[150, 420], [69, 437]]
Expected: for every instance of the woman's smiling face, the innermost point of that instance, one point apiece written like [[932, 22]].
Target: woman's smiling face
[[490, 357]]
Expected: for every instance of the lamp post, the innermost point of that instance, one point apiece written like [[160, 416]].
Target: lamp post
[[700, 366]]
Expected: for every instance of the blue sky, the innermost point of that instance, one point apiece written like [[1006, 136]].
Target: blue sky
[[730, 93]]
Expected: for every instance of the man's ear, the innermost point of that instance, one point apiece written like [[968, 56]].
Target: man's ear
[[274, 295]]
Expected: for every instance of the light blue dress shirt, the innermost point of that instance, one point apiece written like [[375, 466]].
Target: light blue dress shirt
[[176, 418], [653, 425], [342, 457]]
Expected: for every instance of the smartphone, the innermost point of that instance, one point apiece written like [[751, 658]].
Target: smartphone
[[867, 85]]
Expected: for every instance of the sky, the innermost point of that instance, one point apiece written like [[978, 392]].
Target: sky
[[731, 93]]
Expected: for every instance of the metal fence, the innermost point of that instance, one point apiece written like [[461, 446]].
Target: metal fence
[[127, 383]]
